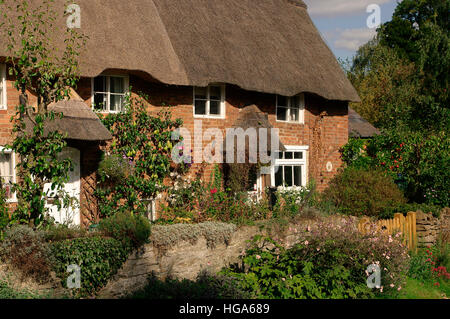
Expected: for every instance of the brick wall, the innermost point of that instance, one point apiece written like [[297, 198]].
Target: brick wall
[[323, 132]]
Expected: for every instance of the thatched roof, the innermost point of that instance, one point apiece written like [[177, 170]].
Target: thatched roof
[[252, 117], [269, 46], [359, 127], [78, 121]]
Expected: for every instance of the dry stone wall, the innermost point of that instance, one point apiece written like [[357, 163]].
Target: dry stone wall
[[430, 228]]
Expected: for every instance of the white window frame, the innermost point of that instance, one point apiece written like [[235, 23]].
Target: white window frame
[[293, 162], [13, 198], [208, 100], [108, 91], [3, 99], [289, 106]]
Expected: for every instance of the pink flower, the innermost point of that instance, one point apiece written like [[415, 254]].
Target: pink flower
[[258, 257], [306, 243], [213, 191]]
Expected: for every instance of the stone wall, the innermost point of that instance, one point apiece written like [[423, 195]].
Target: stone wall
[[187, 259], [430, 228]]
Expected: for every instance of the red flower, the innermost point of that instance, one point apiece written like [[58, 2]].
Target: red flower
[[213, 191]]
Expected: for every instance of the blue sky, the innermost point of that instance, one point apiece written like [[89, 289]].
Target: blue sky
[[343, 23]]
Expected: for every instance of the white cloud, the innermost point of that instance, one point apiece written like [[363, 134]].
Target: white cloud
[[339, 7], [351, 39]]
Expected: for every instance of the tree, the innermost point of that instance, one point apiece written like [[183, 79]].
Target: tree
[[39, 68]]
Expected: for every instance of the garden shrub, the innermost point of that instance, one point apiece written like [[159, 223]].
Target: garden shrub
[[360, 192], [7, 292], [414, 160], [99, 259], [197, 201], [131, 229], [26, 250], [329, 262], [115, 168], [411, 207], [205, 287], [60, 232], [294, 201]]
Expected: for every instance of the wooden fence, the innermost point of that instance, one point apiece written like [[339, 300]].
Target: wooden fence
[[405, 225]]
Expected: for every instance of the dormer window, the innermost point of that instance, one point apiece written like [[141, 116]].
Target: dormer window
[[109, 92], [209, 101], [3, 102], [291, 109]]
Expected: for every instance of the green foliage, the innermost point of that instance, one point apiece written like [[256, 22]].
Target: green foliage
[[49, 76], [7, 292], [205, 287], [415, 160], [60, 232], [4, 216], [199, 201], [26, 250], [359, 192], [131, 229], [329, 262], [295, 201], [99, 260], [413, 207], [143, 144], [402, 75]]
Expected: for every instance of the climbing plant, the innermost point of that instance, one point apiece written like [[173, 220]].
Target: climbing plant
[[48, 74], [140, 154]]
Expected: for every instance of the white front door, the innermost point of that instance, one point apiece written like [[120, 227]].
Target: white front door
[[69, 215]]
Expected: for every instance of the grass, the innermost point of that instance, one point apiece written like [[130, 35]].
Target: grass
[[6, 292], [416, 289]]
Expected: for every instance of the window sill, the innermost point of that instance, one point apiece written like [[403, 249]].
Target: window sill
[[210, 117], [291, 122]]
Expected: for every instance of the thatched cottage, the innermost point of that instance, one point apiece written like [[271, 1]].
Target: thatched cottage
[[210, 60]]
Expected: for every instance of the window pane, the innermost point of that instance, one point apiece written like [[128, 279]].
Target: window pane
[[298, 155], [295, 101], [116, 103], [288, 176], [289, 155], [281, 114], [278, 176], [6, 173], [297, 176], [215, 93], [100, 101], [294, 115], [200, 93], [200, 107], [117, 85], [214, 108], [282, 101], [278, 155], [100, 84]]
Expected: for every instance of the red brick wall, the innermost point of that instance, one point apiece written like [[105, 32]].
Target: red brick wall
[[324, 146]]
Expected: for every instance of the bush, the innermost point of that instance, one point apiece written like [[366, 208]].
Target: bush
[[60, 232], [294, 201], [413, 207], [205, 287], [329, 262], [360, 192], [99, 260], [26, 250], [132, 230]]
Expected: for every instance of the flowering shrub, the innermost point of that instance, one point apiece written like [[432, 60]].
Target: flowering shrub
[[413, 159], [329, 262], [429, 265], [198, 201], [291, 201]]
